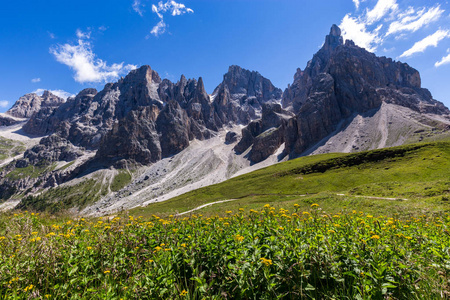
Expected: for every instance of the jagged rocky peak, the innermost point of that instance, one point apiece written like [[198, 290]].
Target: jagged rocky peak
[[240, 96], [358, 76], [31, 103], [143, 73], [338, 83], [240, 81], [334, 39]]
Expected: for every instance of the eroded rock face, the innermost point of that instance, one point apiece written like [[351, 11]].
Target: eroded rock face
[[133, 138], [6, 120], [50, 149], [231, 137], [266, 134], [173, 124], [31, 103], [240, 96]]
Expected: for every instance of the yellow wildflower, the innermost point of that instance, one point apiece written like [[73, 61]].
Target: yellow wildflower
[[266, 261]]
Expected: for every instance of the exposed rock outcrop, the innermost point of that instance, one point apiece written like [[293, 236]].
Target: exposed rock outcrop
[[31, 103], [265, 134], [50, 149], [6, 120], [133, 138], [240, 96]]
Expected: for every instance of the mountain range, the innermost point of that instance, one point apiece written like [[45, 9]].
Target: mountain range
[[144, 139]]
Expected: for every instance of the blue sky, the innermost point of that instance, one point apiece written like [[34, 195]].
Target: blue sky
[[65, 46]]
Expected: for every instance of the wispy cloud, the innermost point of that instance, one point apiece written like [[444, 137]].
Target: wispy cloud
[[413, 20], [159, 28], [381, 9], [138, 7], [170, 6], [365, 28], [357, 2], [35, 80], [429, 41], [51, 35], [355, 29], [386, 20], [4, 103], [445, 60], [85, 63], [83, 35], [60, 93]]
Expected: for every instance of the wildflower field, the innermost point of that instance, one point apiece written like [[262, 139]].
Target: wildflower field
[[286, 253]]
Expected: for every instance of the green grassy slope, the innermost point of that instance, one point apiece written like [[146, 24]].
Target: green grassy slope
[[418, 172]]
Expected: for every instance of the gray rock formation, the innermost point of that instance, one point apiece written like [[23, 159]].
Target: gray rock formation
[[240, 96], [132, 138], [6, 120], [31, 103], [50, 149], [265, 134]]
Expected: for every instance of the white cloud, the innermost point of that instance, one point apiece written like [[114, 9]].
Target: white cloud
[[170, 6], [84, 62], [174, 8], [356, 30], [445, 60], [102, 28], [51, 35], [381, 9], [431, 40], [4, 103], [35, 80], [413, 21], [137, 7], [159, 28], [375, 23], [60, 93], [83, 35], [356, 2]]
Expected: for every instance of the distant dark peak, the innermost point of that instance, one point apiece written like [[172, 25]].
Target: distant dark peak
[[88, 91], [143, 73], [349, 43], [234, 69], [200, 85], [298, 74], [335, 30], [47, 94], [183, 78], [334, 39]]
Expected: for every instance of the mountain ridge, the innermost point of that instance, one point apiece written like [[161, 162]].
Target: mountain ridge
[[344, 91]]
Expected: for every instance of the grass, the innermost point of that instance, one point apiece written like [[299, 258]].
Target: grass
[[415, 172], [120, 180], [244, 254], [9, 148], [62, 198], [30, 171]]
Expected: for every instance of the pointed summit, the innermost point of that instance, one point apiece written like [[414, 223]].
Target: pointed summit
[[334, 39]]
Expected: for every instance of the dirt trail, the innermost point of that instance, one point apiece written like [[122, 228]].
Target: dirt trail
[[223, 201], [204, 205]]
